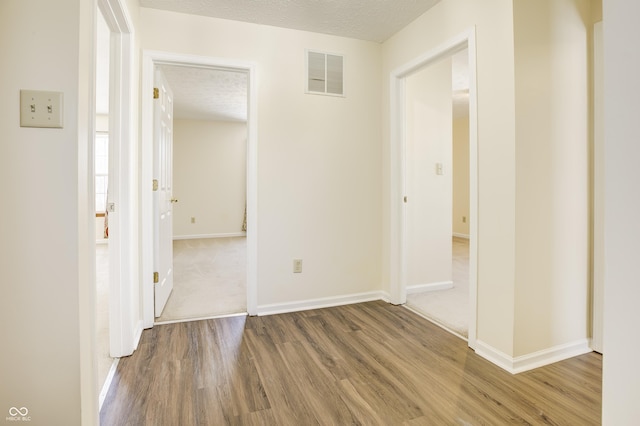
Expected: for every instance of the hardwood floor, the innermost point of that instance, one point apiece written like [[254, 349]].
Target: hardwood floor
[[370, 364]]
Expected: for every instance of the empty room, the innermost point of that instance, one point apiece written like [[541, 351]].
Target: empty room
[[326, 183]]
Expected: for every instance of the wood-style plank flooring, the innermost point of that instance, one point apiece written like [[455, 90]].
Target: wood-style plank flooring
[[369, 364]]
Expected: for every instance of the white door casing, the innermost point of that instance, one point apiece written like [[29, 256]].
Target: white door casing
[[124, 327], [598, 271], [398, 167], [151, 58], [162, 191]]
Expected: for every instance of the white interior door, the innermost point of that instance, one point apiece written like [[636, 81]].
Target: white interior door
[[162, 194]]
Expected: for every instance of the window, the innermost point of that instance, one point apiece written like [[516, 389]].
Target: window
[[325, 73], [101, 168]]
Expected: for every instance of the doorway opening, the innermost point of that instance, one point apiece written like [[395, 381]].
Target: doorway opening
[[209, 189], [197, 64], [429, 210], [438, 187], [116, 264]]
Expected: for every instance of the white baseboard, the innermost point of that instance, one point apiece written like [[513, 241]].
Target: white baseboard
[[420, 288], [199, 236], [324, 302], [534, 360], [107, 383], [465, 236], [385, 296]]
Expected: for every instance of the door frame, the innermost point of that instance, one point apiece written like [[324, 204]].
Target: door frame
[[598, 194], [151, 58], [398, 168], [124, 328]]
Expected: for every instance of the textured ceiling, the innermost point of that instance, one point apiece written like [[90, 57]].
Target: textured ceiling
[[207, 94], [374, 20]]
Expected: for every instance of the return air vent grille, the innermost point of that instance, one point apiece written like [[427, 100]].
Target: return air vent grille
[[325, 73]]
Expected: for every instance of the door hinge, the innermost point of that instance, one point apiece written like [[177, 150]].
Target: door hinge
[[156, 277], [155, 184], [156, 93]]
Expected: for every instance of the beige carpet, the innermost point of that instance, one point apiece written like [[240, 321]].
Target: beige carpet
[[209, 279], [449, 308]]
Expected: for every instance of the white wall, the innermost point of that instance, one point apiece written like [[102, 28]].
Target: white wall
[[460, 175], [429, 141], [47, 301], [533, 234], [552, 173], [621, 377], [209, 177], [319, 157], [41, 293], [493, 23]]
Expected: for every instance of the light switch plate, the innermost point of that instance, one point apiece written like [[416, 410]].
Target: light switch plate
[[41, 109]]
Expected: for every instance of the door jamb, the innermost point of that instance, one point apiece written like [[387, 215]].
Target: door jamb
[[397, 262], [149, 59], [123, 329]]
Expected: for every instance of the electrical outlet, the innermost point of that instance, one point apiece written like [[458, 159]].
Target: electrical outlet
[[193, 219], [297, 266]]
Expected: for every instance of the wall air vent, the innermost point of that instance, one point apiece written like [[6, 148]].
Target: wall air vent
[[325, 73]]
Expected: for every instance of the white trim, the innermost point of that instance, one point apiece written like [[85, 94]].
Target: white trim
[[107, 383], [458, 235], [123, 307], [421, 288], [473, 190], [398, 238], [442, 326], [149, 59], [137, 333], [239, 314], [146, 204], [533, 360], [323, 302], [385, 297], [200, 236], [598, 194]]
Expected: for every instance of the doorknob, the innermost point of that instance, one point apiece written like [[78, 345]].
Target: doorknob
[[174, 200]]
